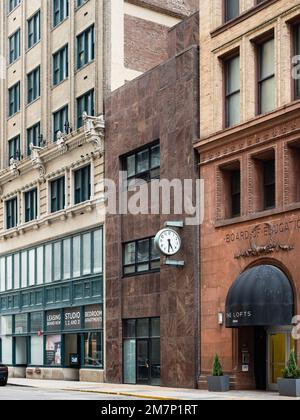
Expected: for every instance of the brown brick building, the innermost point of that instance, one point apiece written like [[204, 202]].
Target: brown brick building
[[249, 159], [151, 309]]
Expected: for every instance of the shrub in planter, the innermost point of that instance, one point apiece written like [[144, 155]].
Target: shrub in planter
[[289, 385], [218, 382]]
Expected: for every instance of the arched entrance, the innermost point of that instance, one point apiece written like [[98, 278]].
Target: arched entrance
[[260, 303]]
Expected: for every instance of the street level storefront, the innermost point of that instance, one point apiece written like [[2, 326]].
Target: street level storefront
[[250, 250], [51, 323]]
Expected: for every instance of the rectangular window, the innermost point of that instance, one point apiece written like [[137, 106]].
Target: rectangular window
[[14, 149], [269, 178], [86, 47], [93, 350], [82, 184], [31, 207], [297, 54], [143, 164], [33, 85], [57, 191], [34, 29], [61, 65], [60, 121], [11, 213], [266, 76], [140, 257], [85, 104], [233, 91], [14, 99], [235, 184], [60, 11], [33, 137], [232, 9], [14, 46], [12, 4]]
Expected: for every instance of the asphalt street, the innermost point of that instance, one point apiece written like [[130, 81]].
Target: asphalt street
[[15, 393]]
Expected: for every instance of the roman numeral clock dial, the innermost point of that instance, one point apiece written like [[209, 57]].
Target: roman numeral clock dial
[[168, 242]]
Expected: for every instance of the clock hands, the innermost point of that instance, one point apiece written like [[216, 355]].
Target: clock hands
[[170, 246]]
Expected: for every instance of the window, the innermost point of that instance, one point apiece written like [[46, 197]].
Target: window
[[85, 104], [233, 91], [12, 4], [297, 54], [33, 83], [60, 11], [14, 46], [57, 191], [14, 149], [269, 184], [266, 76], [60, 120], [33, 137], [14, 99], [30, 205], [86, 47], [93, 350], [11, 213], [34, 31], [80, 2], [140, 257], [143, 164], [232, 9], [60, 65], [82, 182], [235, 185]]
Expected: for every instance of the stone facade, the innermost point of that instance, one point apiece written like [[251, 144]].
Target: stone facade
[[160, 105], [231, 246]]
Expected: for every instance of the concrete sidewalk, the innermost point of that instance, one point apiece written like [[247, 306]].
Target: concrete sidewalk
[[144, 392]]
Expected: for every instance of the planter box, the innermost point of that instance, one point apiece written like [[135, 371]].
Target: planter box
[[289, 387], [218, 383]]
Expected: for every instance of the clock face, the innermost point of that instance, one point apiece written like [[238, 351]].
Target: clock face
[[168, 242]]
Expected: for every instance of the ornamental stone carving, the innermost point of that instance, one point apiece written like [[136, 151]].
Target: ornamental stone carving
[[37, 161], [61, 144], [94, 129], [13, 167]]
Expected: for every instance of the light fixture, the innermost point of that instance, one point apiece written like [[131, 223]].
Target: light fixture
[[220, 318]]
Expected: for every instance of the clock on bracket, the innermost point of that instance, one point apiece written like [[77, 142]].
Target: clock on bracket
[[168, 242]]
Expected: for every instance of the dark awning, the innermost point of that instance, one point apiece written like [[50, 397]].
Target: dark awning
[[261, 296]]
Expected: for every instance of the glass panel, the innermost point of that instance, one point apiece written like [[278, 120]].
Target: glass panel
[[234, 109], [129, 257], [267, 59], [2, 274], [67, 259], [267, 96], [53, 350], [155, 327], [71, 348], [31, 267], [48, 264], [233, 75], [6, 325], [130, 362], [143, 363], [142, 328], [21, 351], [40, 265], [155, 362], [37, 351], [7, 344], [143, 161], [16, 271], [86, 253], [21, 324], [143, 255], [98, 251], [24, 269], [57, 261], [131, 166], [155, 156], [93, 350], [36, 322], [9, 284], [76, 256], [129, 328]]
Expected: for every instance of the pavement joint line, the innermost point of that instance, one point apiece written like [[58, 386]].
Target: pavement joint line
[[122, 394]]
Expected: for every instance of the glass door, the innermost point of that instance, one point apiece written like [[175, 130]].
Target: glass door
[[143, 362], [280, 345]]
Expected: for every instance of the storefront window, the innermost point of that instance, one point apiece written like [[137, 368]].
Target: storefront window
[[40, 265], [21, 351], [37, 347], [36, 322], [98, 257], [21, 324], [17, 271], [53, 350], [7, 343], [76, 256], [87, 254], [9, 273], [67, 259], [48, 263], [6, 325], [93, 350], [24, 269], [57, 261], [31, 267]]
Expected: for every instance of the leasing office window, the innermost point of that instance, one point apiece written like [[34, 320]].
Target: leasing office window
[[33, 85], [82, 184], [14, 46], [60, 120], [233, 91], [57, 192], [14, 99], [33, 137], [85, 103], [11, 208], [232, 9], [266, 76], [60, 11], [86, 47], [140, 257], [143, 164], [30, 200], [14, 149], [60, 65], [34, 29]]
